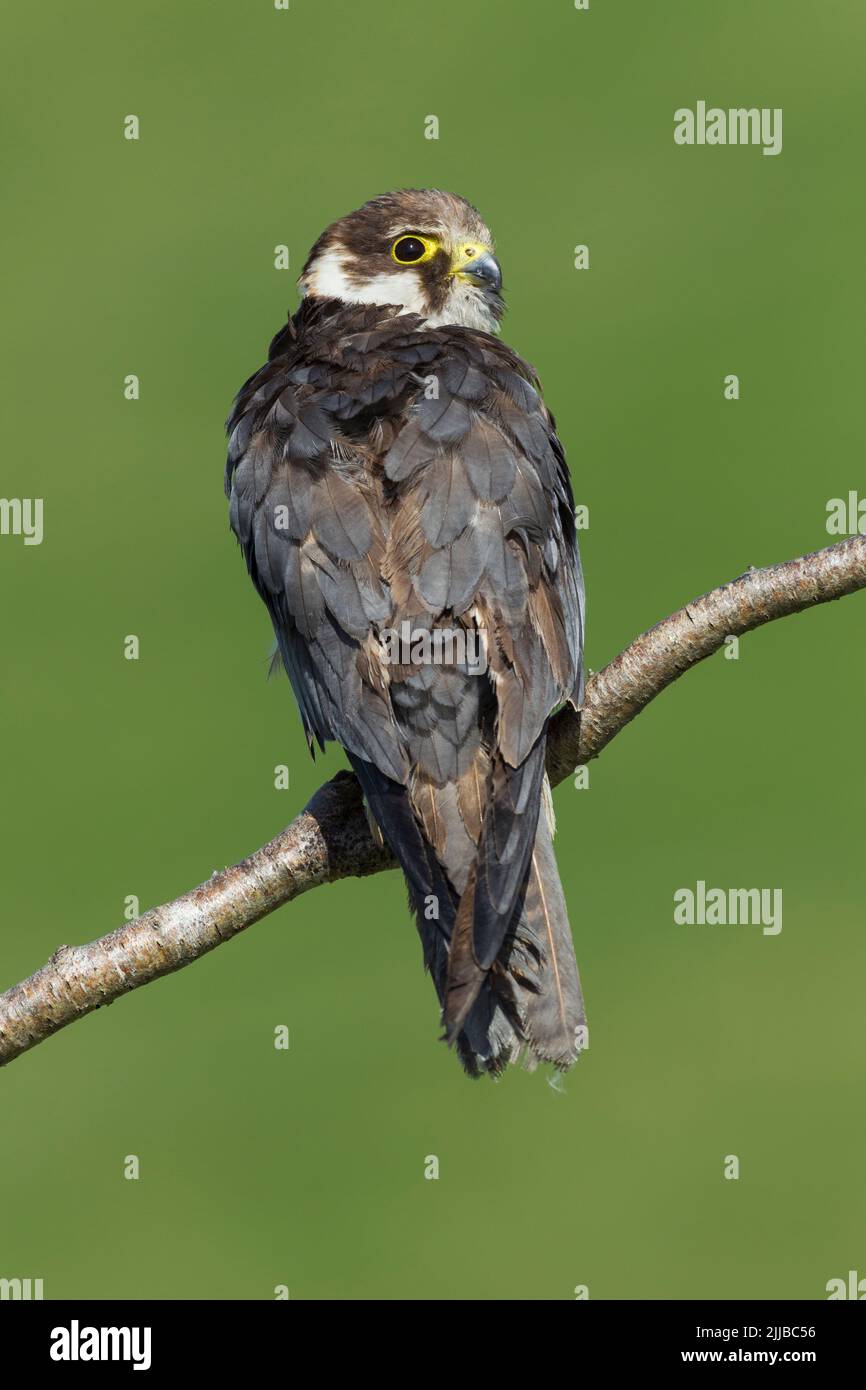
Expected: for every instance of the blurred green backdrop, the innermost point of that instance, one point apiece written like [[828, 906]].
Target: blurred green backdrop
[[155, 257]]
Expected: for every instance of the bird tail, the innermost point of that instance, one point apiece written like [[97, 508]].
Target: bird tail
[[506, 986], [542, 963], [534, 979]]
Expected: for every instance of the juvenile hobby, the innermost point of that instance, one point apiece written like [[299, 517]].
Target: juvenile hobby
[[393, 469]]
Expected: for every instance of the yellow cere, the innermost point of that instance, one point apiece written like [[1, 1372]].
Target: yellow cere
[[464, 253]]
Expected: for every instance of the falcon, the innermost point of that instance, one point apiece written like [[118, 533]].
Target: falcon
[[392, 469]]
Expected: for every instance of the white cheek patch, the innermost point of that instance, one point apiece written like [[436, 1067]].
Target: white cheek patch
[[327, 277], [465, 305], [403, 288]]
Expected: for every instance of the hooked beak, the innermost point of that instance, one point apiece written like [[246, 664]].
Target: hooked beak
[[483, 269]]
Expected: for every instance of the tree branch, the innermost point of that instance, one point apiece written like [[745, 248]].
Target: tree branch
[[330, 839]]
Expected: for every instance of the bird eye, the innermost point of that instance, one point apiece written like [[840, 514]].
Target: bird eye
[[409, 250]]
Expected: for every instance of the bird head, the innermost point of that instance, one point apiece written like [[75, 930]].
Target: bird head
[[426, 251]]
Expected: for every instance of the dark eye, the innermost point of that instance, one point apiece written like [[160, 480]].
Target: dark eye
[[408, 249]]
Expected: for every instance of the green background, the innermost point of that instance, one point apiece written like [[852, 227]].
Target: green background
[[306, 1167]]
